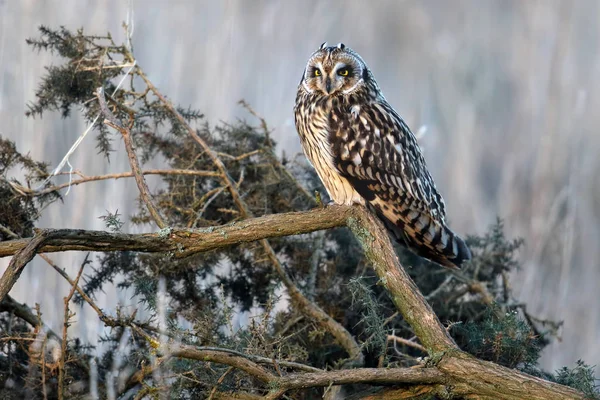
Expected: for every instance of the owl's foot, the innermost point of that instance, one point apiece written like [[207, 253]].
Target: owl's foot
[[319, 200]]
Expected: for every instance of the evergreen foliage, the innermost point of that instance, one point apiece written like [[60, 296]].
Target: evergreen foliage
[[205, 293]]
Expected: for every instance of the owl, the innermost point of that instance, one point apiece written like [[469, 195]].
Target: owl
[[365, 153]]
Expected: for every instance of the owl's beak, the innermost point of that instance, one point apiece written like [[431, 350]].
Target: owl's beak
[[328, 85]]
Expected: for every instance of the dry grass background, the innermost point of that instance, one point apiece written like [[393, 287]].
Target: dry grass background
[[509, 92]]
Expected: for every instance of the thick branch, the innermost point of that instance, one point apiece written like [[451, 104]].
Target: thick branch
[[186, 242], [362, 375], [463, 374], [20, 260], [489, 380], [405, 294]]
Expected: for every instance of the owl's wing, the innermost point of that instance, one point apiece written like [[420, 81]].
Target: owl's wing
[[377, 153], [372, 145]]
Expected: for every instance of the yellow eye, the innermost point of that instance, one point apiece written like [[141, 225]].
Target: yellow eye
[[317, 72], [343, 72]]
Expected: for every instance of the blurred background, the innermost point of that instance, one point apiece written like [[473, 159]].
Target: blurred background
[[507, 90]]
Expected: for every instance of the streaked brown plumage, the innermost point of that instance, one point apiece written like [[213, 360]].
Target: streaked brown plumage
[[364, 153]]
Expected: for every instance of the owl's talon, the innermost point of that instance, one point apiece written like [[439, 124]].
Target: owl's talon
[[318, 199]]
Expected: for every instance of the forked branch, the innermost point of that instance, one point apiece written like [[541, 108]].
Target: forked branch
[[461, 374]]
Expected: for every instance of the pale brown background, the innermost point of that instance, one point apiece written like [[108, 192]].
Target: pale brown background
[[509, 92]]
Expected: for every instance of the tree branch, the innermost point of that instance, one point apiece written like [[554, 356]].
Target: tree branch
[[84, 179], [111, 121], [463, 374], [186, 242], [361, 375], [405, 294], [23, 311], [20, 260]]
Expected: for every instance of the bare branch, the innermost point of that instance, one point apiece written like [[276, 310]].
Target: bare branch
[[84, 179], [66, 324], [186, 242], [362, 375], [406, 342], [405, 294], [220, 357], [111, 120], [22, 311], [20, 260]]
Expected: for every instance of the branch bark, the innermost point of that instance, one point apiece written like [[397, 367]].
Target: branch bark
[[186, 242], [20, 260], [92, 178], [405, 294]]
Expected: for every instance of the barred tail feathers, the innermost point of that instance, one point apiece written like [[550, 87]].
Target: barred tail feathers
[[427, 238]]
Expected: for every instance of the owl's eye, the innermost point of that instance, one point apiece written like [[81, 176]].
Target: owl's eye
[[343, 72], [317, 72]]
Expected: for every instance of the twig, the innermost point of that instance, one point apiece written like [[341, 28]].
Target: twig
[[111, 121], [407, 342], [66, 324], [30, 192], [22, 311], [219, 381], [8, 232]]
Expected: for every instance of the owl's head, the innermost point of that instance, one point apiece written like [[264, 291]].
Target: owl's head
[[334, 70]]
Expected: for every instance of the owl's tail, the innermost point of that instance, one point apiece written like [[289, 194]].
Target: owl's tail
[[430, 239]]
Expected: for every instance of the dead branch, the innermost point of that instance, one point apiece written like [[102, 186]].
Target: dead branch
[[183, 243], [241, 363], [406, 342], [20, 260], [66, 324], [112, 121], [22, 311], [84, 179]]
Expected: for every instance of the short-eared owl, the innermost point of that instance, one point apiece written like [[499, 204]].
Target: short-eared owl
[[365, 153]]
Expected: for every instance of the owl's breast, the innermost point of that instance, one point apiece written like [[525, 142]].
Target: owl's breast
[[313, 121]]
